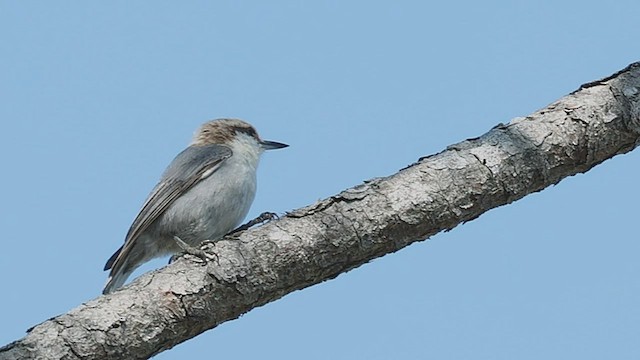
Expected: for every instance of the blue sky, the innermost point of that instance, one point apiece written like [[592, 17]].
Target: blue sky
[[97, 98]]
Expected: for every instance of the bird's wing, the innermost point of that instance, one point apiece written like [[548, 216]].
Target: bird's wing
[[189, 167]]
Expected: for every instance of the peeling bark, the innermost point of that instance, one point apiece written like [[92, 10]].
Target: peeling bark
[[316, 243]]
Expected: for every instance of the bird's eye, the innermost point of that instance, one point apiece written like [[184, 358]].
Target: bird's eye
[[248, 130]]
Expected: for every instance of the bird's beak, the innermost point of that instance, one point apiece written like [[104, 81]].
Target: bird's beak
[[270, 145]]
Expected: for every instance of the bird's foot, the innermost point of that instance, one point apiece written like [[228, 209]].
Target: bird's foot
[[192, 250], [264, 217]]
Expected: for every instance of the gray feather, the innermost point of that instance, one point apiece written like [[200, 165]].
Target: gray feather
[[182, 174]]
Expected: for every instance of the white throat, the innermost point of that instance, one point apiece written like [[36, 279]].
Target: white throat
[[246, 149]]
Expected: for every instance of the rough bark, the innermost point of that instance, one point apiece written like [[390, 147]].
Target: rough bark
[[316, 243]]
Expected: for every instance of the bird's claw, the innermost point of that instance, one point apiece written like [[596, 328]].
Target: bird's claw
[[194, 251], [264, 217]]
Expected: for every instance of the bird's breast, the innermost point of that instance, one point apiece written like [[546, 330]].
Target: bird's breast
[[212, 207]]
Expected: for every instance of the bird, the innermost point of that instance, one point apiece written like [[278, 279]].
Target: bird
[[205, 193]]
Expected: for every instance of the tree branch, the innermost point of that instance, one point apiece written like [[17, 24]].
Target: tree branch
[[316, 243]]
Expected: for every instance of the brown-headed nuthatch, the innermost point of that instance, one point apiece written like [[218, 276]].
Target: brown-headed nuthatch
[[204, 194]]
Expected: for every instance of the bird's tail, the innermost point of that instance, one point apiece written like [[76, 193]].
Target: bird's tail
[[115, 281], [122, 264]]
